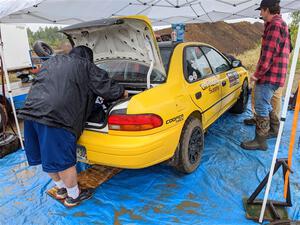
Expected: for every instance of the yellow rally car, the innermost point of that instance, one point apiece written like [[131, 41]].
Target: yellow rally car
[[176, 91]]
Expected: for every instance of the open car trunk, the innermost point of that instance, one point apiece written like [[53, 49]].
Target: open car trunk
[[126, 48]]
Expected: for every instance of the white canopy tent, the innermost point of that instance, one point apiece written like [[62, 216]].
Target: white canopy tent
[[161, 12]]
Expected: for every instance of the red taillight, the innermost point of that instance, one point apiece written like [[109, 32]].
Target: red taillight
[[134, 122]]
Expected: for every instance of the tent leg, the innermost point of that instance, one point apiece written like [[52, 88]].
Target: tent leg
[[10, 93], [282, 120]]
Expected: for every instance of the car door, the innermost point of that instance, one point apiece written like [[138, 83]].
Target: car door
[[202, 84], [229, 78]]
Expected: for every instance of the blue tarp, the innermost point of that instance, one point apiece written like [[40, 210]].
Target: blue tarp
[[158, 195]]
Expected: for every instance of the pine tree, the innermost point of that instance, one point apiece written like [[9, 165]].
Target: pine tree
[[50, 35]]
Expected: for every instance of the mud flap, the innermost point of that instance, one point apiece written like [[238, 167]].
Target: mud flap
[[89, 179]]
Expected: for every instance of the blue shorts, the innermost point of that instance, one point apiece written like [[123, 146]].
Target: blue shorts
[[54, 148]]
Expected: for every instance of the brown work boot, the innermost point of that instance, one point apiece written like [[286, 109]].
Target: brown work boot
[[261, 132], [274, 125], [250, 121]]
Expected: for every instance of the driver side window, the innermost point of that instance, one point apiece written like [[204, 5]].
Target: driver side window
[[217, 61]]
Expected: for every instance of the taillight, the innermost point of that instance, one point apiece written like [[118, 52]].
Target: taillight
[[137, 122]]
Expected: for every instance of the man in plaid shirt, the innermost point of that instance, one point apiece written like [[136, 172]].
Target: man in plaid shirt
[[270, 72]]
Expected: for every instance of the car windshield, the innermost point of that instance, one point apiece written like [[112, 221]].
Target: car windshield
[[130, 71]]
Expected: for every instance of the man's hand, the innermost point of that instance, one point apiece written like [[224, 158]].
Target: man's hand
[[253, 79], [125, 95]]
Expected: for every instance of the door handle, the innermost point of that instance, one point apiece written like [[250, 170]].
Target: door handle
[[198, 95], [223, 83]]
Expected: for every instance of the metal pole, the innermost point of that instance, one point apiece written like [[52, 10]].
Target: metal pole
[[282, 120], [10, 92]]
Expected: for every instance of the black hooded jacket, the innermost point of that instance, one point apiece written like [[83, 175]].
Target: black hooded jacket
[[64, 91]]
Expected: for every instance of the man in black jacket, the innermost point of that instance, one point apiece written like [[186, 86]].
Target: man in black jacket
[[57, 106]]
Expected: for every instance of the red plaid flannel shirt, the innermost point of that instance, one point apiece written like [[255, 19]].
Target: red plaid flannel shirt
[[274, 56]]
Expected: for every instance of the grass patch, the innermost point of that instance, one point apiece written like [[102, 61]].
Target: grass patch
[[250, 59]]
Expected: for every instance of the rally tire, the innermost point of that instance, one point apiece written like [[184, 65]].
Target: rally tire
[[241, 105], [42, 49], [8, 106], [9, 143], [190, 146], [3, 118]]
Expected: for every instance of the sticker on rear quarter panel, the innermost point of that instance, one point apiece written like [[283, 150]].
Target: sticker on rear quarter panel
[[175, 119]]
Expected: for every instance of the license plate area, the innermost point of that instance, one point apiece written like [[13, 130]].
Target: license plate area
[[81, 154]]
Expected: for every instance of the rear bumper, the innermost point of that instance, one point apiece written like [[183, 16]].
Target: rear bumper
[[130, 151]]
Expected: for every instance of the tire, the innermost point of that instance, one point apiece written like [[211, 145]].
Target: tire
[[9, 143], [241, 105], [6, 102], [42, 49], [190, 148], [25, 79], [3, 118]]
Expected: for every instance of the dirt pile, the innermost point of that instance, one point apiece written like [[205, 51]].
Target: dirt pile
[[234, 38]]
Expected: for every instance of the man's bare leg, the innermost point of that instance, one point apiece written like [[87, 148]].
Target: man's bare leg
[[54, 176], [75, 196], [61, 187], [57, 180], [69, 177]]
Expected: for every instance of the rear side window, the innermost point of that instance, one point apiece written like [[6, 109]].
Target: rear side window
[[165, 54], [218, 63], [130, 71], [196, 65]]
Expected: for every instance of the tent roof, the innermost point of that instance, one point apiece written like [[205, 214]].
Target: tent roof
[[161, 12]]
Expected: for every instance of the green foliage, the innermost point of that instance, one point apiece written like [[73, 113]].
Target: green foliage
[[293, 31], [50, 35], [295, 16]]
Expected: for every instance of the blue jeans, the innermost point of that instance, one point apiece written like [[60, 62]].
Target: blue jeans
[[263, 94]]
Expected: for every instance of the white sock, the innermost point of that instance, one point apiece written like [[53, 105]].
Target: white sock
[[73, 192], [59, 184]]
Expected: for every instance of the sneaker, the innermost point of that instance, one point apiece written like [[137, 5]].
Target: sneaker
[[84, 195], [61, 193]]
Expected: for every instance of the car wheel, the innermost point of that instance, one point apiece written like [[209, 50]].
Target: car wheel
[[25, 79], [42, 49], [9, 143], [6, 102], [190, 146], [241, 105], [3, 118]]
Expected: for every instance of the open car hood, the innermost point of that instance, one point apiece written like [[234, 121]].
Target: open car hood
[[129, 38]]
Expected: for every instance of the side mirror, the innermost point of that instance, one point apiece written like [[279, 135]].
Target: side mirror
[[236, 63]]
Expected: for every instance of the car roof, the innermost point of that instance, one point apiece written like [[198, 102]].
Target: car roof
[[165, 44], [172, 44], [168, 44]]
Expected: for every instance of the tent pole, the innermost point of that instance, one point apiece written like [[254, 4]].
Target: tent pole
[[10, 93], [282, 120]]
